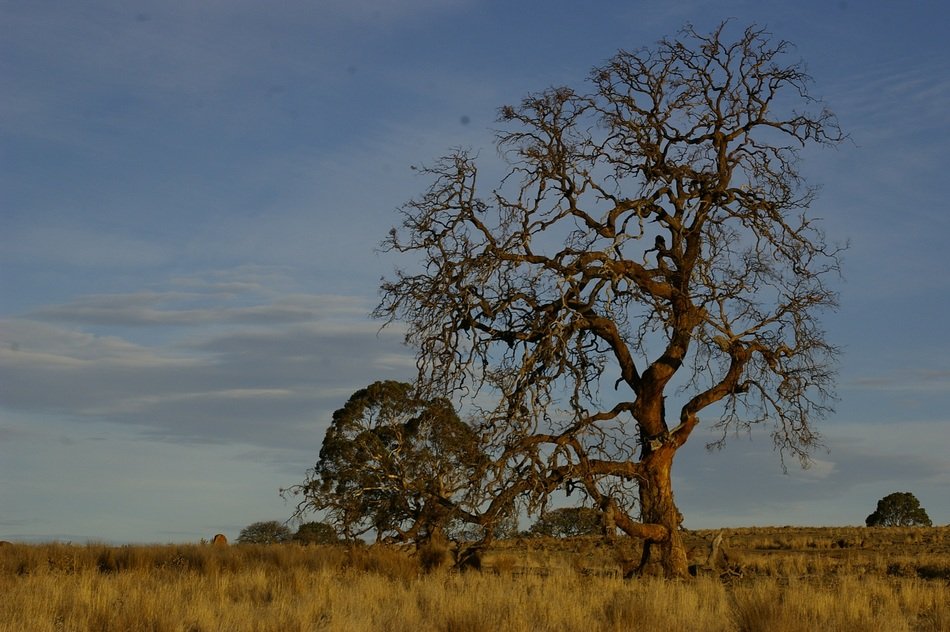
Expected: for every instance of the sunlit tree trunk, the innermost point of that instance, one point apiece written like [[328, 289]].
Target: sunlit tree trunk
[[658, 507]]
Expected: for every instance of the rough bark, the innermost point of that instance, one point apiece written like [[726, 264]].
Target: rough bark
[[657, 506]]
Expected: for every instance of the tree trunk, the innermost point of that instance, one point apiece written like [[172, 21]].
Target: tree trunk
[[657, 507]]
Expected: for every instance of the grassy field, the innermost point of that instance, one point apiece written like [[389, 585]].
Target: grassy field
[[777, 579]]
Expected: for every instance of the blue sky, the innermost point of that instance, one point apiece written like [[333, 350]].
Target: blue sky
[[192, 193]]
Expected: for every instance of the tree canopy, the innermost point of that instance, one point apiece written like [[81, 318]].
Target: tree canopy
[[393, 464], [900, 509], [648, 257]]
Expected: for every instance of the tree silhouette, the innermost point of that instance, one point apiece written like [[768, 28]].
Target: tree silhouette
[[900, 509], [649, 251]]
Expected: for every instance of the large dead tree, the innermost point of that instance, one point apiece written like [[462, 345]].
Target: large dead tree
[[647, 257]]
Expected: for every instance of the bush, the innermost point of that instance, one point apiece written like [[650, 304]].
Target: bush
[[269, 532]]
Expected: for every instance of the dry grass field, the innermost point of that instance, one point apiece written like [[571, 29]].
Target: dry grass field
[[777, 579]]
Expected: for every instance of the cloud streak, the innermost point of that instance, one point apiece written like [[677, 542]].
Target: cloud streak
[[172, 309], [245, 367]]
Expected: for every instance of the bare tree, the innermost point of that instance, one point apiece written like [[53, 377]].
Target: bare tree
[[651, 236]]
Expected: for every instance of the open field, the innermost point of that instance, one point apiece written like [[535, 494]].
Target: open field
[[777, 579]]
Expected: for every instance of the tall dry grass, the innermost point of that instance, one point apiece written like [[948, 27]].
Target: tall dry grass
[[527, 586]]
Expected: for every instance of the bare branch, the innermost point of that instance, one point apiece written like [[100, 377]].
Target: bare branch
[[650, 231]]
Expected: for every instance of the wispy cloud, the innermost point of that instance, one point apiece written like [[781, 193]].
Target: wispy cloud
[[878, 188], [177, 308], [247, 365], [906, 380]]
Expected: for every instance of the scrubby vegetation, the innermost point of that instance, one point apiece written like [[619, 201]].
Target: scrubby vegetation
[[568, 522], [777, 579], [265, 532]]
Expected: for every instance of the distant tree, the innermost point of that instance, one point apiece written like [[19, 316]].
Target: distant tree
[[394, 464], [568, 522], [900, 509], [268, 532], [316, 533], [651, 238]]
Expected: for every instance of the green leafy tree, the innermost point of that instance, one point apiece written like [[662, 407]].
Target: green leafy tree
[[316, 533], [568, 522], [396, 465], [900, 509], [651, 240], [267, 532]]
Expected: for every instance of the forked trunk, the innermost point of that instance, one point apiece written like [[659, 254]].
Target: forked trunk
[[657, 507]]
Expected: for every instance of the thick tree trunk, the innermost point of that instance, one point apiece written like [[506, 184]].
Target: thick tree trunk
[[657, 507]]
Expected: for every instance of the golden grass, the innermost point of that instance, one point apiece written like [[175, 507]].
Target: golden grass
[[792, 580]]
